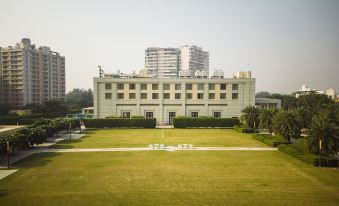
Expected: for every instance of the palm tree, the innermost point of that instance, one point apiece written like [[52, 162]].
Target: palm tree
[[266, 119], [288, 124], [326, 131], [250, 116]]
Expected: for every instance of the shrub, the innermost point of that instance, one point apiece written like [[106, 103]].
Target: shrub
[[121, 123], [190, 122]]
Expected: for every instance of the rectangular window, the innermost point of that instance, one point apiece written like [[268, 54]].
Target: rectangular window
[[149, 114], [166, 87], [143, 86], [234, 86], [200, 95], [200, 86], [188, 86], [131, 95], [222, 95], [155, 96], [211, 96], [108, 95], [143, 96], [211, 86], [177, 95], [234, 95], [222, 86], [177, 86], [120, 86], [108, 86], [189, 96], [216, 114], [131, 86], [155, 86], [194, 114], [120, 95], [126, 114], [166, 95]]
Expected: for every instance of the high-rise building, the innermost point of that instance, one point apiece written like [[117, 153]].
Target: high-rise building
[[31, 75], [192, 59], [174, 62]]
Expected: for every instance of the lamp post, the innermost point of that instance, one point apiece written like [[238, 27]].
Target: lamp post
[[320, 152], [70, 131], [8, 154]]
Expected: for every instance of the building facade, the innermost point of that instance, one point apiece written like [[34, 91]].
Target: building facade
[[174, 62], [268, 103], [165, 98], [308, 90], [31, 75]]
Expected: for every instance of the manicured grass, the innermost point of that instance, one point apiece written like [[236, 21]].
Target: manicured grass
[[143, 137], [169, 178]]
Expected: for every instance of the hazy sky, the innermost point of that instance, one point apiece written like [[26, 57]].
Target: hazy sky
[[284, 43]]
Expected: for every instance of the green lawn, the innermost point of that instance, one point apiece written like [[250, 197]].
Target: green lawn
[[169, 178], [143, 137]]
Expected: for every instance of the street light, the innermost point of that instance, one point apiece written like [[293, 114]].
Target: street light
[[8, 154], [320, 152]]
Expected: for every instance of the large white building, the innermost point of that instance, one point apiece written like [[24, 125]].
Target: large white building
[[174, 62], [307, 90], [165, 98], [30, 75]]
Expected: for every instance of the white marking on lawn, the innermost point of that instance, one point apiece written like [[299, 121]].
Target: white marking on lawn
[[5, 173]]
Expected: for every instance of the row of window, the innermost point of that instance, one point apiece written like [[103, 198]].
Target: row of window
[[167, 86], [150, 114], [167, 96]]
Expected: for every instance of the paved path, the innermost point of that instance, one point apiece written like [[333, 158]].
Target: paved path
[[165, 149], [20, 154]]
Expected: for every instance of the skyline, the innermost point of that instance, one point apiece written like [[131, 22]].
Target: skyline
[[284, 44]]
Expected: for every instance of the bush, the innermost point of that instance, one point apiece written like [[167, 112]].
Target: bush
[[244, 129], [267, 139], [121, 123], [190, 122]]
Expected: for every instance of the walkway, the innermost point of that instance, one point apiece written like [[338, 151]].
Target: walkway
[[21, 154]]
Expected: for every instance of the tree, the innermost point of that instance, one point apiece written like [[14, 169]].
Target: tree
[[250, 116], [266, 119], [80, 98], [263, 94], [288, 124], [322, 128]]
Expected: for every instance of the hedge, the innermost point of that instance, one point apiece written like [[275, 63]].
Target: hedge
[[190, 122], [120, 123], [30, 119], [272, 141], [243, 129]]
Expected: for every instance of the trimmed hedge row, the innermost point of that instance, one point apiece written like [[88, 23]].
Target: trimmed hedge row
[[190, 122], [243, 129], [30, 119], [120, 123]]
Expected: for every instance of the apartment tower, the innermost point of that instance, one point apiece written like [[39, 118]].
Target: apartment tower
[[30, 74], [175, 62]]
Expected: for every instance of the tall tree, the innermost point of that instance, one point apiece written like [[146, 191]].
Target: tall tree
[[80, 98], [322, 128], [250, 116], [266, 119], [288, 124]]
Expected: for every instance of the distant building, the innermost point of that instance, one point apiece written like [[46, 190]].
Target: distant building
[[174, 62], [307, 90], [268, 103], [242, 75], [166, 98], [31, 75]]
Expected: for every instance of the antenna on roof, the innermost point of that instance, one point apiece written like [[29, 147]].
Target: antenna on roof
[[101, 71]]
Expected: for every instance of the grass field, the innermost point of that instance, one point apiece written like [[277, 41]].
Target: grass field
[[168, 178], [143, 137]]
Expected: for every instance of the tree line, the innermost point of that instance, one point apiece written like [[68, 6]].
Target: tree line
[[315, 114]]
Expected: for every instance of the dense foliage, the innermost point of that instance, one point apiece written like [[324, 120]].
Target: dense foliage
[[190, 122], [36, 133], [121, 123], [250, 116], [79, 98]]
